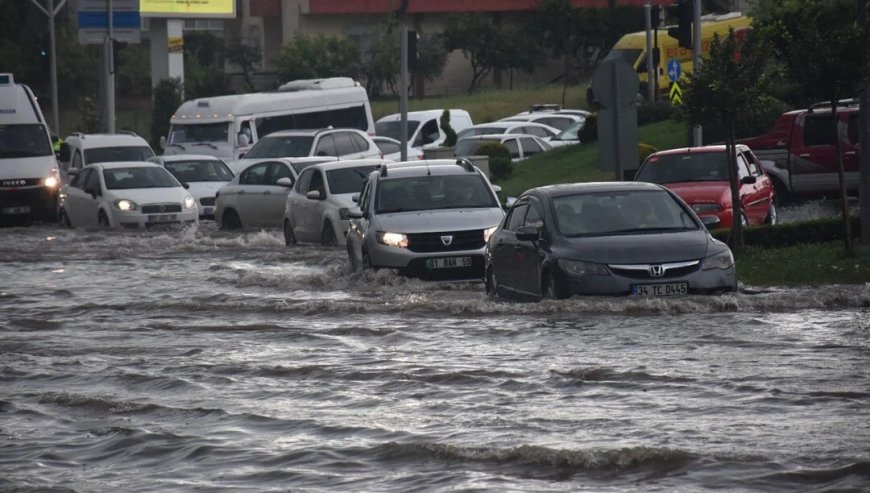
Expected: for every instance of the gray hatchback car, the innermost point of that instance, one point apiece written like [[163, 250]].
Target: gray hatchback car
[[429, 219]]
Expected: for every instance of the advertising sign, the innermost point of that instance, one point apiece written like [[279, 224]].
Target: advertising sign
[[178, 9]]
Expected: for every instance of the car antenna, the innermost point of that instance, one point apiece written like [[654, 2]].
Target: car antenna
[[428, 171]]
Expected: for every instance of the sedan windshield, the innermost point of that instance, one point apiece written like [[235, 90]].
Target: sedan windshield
[[679, 168], [150, 177], [620, 212], [199, 170], [276, 146], [121, 153], [348, 180], [422, 193], [26, 140], [394, 129]]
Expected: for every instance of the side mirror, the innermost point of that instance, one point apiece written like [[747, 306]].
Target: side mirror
[[313, 194], [243, 139], [185, 185], [355, 214], [509, 201], [709, 221], [748, 180], [162, 142], [496, 189], [528, 233], [284, 182], [355, 198], [65, 153]]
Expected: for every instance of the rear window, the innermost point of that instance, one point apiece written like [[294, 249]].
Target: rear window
[[679, 168], [433, 192], [287, 146]]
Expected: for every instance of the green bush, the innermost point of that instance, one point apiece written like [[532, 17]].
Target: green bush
[[772, 108], [589, 132], [500, 165], [790, 234], [657, 111], [643, 152], [167, 99], [449, 133]]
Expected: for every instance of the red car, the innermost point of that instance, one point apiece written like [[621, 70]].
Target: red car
[[699, 175]]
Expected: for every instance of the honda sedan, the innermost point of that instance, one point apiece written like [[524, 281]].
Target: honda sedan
[[605, 238]]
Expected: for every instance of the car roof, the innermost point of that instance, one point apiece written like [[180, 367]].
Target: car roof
[[188, 157], [420, 113], [308, 132], [439, 167], [601, 186], [124, 164], [106, 140], [696, 150], [350, 163]]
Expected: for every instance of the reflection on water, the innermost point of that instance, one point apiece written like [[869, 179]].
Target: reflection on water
[[204, 360]]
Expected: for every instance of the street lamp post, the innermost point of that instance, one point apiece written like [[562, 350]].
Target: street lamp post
[[51, 11]]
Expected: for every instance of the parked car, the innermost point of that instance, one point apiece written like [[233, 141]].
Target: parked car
[[343, 143], [536, 129], [699, 175], [555, 120], [799, 153], [569, 136], [607, 239], [79, 150], [392, 149], [424, 127], [555, 109], [204, 175], [521, 146], [133, 194], [317, 206], [429, 219], [256, 196]]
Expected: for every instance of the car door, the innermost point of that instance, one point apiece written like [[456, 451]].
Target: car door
[[513, 147], [529, 147], [751, 200], [78, 203], [249, 193], [526, 254], [316, 206], [503, 244], [301, 208], [273, 195], [90, 204], [762, 196], [813, 157], [356, 233]]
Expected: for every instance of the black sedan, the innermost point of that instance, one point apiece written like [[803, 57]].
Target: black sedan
[[618, 238]]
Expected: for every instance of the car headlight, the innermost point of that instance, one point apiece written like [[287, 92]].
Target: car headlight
[[126, 205], [488, 232], [580, 268], [189, 202], [51, 182], [706, 207], [721, 260], [397, 240]]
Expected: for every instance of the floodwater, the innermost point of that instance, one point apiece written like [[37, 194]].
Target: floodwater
[[202, 360]]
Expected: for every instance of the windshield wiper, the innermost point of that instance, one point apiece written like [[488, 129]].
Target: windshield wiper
[[648, 230], [205, 144], [177, 145]]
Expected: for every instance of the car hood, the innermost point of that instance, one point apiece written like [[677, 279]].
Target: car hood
[[200, 189], [345, 200], [439, 220], [701, 191], [222, 150], [144, 196], [639, 248]]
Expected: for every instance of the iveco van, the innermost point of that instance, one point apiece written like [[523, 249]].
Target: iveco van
[[29, 178]]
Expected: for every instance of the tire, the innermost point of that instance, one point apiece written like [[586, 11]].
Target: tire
[[103, 220], [289, 236], [549, 289], [781, 195], [491, 283], [63, 219], [771, 215], [230, 221], [327, 236]]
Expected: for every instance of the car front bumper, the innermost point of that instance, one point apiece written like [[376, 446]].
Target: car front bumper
[[136, 219], [469, 263], [697, 282]]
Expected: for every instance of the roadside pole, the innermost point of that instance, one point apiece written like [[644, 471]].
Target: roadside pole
[[51, 11], [696, 63], [110, 69], [864, 132], [650, 70], [403, 95]]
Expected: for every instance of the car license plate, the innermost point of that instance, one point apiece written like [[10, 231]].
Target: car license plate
[[665, 289], [448, 263], [24, 209], [162, 218]]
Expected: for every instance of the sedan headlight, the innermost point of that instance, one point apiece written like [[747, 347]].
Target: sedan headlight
[[397, 240], [488, 232], [189, 202], [722, 260], [706, 207], [579, 268], [126, 205]]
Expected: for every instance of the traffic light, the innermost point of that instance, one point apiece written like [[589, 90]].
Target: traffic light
[[683, 32]]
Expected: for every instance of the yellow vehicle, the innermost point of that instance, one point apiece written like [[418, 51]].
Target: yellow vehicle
[[631, 48]]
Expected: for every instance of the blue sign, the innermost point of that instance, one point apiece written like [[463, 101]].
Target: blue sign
[[674, 70], [99, 20]]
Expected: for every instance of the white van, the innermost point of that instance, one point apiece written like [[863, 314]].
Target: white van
[[424, 127], [226, 126], [29, 178]]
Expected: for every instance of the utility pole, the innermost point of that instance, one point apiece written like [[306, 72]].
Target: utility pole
[[51, 11], [403, 95], [697, 136], [651, 71], [110, 68]]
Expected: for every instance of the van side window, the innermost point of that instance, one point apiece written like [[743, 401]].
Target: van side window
[[819, 130], [325, 146], [268, 124]]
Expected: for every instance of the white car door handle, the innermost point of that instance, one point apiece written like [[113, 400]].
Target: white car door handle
[[806, 154], [850, 153], [267, 192]]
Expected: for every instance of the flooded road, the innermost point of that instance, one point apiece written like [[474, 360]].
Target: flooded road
[[209, 361]]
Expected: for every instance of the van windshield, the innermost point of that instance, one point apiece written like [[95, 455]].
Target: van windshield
[[189, 133], [24, 140], [287, 146], [629, 56], [394, 129]]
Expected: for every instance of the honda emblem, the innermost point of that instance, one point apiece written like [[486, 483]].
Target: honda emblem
[[656, 270], [447, 240]]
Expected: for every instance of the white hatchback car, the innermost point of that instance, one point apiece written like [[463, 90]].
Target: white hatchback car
[[530, 128], [520, 146], [133, 194], [342, 143], [202, 174], [316, 208], [256, 196]]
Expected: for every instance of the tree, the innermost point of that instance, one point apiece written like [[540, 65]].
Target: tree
[[431, 59], [729, 87], [824, 54], [558, 31], [311, 57], [167, 99], [382, 57], [478, 40], [246, 56], [203, 68]]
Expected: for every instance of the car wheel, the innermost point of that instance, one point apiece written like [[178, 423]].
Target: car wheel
[[103, 220], [771, 215], [63, 218], [491, 283], [549, 289], [327, 236], [289, 237], [781, 195], [230, 221]]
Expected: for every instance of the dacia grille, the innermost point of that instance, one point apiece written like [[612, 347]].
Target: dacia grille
[[160, 208], [449, 241]]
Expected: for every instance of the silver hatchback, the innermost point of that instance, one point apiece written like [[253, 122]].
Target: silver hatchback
[[429, 219]]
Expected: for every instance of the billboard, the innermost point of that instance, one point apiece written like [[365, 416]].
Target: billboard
[[180, 9]]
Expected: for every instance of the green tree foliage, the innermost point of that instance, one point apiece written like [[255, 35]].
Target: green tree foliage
[[311, 57], [167, 99], [246, 56], [729, 87], [203, 68], [431, 57], [381, 58]]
